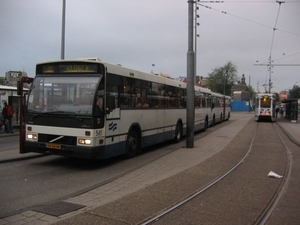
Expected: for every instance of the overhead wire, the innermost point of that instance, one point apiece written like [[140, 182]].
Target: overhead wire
[[248, 20], [259, 1], [273, 28], [287, 56]]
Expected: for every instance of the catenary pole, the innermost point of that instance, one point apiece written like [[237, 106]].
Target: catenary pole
[[190, 114], [63, 30]]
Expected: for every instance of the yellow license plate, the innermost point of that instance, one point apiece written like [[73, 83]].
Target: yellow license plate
[[53, 146]]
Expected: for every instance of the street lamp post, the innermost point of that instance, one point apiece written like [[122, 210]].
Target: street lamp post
[[63, 30]]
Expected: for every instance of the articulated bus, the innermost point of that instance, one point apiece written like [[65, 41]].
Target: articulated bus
[[91, 109], [221, 107], [265, 107]]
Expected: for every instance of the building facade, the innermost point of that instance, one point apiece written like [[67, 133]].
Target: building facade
[[12, 77]]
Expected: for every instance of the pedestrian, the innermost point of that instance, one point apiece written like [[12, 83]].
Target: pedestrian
[[277, 111], [281, 112], [8, 113]]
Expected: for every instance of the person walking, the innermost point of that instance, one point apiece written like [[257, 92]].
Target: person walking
[[8, 113], [277, 111]]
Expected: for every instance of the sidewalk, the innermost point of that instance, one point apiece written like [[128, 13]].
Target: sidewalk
[[159, 170], [291, 129]]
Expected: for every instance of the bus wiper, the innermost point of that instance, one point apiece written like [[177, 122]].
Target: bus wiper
[[43, 113], [72, 115], [58, 112]]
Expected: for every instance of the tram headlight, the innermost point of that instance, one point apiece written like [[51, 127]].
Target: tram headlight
[[83, 141], [32, 137]]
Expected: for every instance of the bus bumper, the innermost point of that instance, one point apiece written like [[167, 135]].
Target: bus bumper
[[99, 152]]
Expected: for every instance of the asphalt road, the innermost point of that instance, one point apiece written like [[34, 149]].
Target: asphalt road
[[32, 182]]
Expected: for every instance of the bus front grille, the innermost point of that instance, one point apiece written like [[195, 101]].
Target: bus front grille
[[57, 139]]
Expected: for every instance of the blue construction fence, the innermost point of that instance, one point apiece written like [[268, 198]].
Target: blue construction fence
[[238, 106]]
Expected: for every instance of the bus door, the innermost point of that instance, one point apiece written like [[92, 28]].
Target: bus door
[[112, 90], [113, 117]]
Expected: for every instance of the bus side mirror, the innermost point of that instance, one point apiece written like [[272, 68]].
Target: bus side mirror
[[111, 103]]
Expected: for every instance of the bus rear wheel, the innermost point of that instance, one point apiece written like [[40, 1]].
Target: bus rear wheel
[[132, 144], [178, 133], [205, 124], [213, 121]]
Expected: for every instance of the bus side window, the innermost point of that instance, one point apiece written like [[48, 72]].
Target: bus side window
[[113, 91], [124, 103]]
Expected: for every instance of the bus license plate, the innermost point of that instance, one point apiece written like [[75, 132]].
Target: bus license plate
[[53, 146]]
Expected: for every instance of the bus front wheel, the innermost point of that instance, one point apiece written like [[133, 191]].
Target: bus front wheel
[[132, 144]]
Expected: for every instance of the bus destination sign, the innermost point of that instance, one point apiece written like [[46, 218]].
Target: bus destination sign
[[70, 68]]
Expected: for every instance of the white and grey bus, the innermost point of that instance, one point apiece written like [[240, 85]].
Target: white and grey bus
[[221, 110], [91, 109]]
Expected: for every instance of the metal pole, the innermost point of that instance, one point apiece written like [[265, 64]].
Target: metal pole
[[22, 129], [270, 83], [224, 102], [195, 44], [190, 114], [63, 30]]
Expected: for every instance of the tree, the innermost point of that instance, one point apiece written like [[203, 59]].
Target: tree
[[294, 92], [277, 97], [223, 78]]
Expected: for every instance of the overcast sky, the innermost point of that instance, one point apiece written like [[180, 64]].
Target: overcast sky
[[139, 33]]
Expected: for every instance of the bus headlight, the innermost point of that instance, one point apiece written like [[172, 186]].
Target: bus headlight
[[83, 141], [32, 137]]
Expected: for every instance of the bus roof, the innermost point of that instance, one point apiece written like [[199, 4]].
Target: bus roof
[[127, 72]]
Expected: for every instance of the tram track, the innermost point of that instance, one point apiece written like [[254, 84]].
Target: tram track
[[267, 210], [270, 208]]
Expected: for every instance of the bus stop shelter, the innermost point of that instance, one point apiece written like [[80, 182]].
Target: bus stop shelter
[[9, 94], [291, 109]]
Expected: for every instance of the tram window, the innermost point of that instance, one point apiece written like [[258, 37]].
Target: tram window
[[266, 102], [257, 103]]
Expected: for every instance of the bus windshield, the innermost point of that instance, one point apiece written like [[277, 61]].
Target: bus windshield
[[63, 94]]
